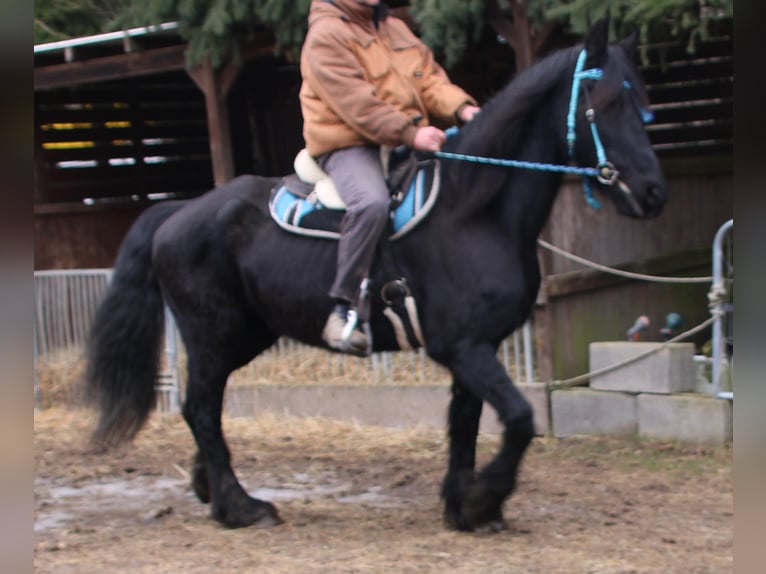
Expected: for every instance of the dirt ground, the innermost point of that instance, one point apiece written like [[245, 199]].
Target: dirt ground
[[366, 500]]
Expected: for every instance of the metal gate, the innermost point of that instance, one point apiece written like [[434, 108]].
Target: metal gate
[[65, 306], [722, 308]]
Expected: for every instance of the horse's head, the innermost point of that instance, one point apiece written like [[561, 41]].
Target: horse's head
[[608, 110]]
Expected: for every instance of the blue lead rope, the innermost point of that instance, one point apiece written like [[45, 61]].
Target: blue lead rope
[[449, 132], [585, 171]]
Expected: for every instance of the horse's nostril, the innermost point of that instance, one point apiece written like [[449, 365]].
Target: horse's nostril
[[654, 201], [655, 195]]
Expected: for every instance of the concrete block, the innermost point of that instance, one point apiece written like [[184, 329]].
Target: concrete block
[[689, 418], [585, 411], [401, 406], [669, 370]]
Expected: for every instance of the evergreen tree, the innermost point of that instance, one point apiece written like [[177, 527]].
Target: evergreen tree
[[61, 19], [655, 19], [448, 25], [216, 28]]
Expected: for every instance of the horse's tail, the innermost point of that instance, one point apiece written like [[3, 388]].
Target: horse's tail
[[123, 349]]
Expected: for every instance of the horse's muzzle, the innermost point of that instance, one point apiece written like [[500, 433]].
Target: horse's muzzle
[[655, 198], [647, 203]]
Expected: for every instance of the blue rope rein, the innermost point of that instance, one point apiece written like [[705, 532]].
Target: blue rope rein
[[584, 171]]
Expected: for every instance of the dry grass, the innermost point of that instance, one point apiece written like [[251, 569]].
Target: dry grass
[[58, 375], [270, 430], [290, 362]]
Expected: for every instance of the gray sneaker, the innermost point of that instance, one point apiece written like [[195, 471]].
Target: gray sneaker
[[343, 334]]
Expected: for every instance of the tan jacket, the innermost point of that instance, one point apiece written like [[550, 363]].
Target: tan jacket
[[363, 85]]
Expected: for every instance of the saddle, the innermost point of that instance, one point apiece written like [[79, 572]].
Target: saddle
[[307, 202]]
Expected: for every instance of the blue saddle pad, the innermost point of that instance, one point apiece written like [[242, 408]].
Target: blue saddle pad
[[302, 213]]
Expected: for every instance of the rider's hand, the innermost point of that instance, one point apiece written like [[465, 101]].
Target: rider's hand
[[467, 112], [428, 138]]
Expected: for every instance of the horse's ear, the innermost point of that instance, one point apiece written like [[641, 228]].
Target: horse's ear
[[596, 43], [629, 44]]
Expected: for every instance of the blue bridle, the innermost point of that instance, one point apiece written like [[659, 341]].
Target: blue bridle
[[607, 173], [604, 172]]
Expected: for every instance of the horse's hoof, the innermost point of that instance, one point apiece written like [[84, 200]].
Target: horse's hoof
[[491, 527], [259, 515], [472, 508], [267, 520], [461, 523]]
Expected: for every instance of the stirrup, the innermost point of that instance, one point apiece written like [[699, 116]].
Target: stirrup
[[352, 320], [343, 333]]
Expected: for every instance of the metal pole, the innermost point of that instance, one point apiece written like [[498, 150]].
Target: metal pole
[[528, 352], [171, 354], [517, 355], [38, 394], [717, 310]]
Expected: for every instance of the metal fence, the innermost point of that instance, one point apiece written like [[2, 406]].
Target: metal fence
[[66, 303], [722, 307]]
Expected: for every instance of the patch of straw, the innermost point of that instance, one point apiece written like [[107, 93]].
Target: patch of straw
[[58, 375]]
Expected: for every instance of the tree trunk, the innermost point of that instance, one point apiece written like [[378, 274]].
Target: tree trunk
[[215, 86], [518, 31]]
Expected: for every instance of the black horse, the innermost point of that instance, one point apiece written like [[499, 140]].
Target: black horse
[[235, 281]]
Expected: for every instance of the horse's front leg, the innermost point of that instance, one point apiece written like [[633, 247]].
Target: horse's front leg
[[475, 501], [464, 415], [213, 479]]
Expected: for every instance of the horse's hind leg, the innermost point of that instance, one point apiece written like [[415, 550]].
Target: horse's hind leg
[[475, 502], [213, 353], [213, 477]]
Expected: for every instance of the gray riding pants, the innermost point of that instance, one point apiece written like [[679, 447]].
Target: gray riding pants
[[358, 176]]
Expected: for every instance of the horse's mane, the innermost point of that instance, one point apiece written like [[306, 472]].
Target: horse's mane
[[503, 116]]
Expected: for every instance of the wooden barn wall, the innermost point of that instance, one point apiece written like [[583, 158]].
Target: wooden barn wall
[[578, 306], [692, 95], [120, 129], [697, 206], [121, 139], [86, 238], [102, 151]]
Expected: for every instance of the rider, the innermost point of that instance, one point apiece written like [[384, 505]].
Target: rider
[[367, 81]]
